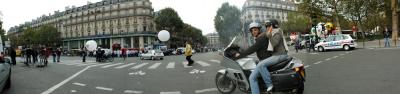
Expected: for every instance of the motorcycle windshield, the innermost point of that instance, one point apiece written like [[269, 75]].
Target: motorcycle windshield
[[238, 44]]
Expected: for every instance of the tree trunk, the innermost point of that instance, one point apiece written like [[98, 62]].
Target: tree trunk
[[395, 22]]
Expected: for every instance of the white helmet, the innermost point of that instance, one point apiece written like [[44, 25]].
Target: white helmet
[[254, 25]]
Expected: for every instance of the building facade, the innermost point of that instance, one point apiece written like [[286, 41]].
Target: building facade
[[213, 40], [125, 23], [262, 10]]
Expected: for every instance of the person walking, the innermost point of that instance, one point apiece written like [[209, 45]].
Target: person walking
[[123, 53], [58, 52], [54, 53], [386, 35], [84, 50], [13, 55], [188, 53]]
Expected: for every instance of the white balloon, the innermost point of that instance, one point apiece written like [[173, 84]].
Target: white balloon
[[91, 45], [163, 35]]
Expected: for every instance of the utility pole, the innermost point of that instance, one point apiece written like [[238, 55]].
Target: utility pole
[[394, 22]]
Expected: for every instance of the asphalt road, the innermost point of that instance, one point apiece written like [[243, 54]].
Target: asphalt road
[[361, 71]]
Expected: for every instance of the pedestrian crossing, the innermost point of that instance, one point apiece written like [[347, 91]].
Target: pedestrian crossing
[[144, 65]]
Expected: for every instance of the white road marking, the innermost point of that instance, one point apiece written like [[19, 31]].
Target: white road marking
[[123, 66], [99, 64], [306, 66], [133, 92], [79, 84], [185, 65], [341, 54], [104, 88], [173, 92], [86, 64], [347, 52], [171, 65], [48, 91], [73, 91], [335, 57], [106, 66], [138, 66], [154, 66], [206, 90], [327, 59], [313, 53], [216, 61], [318, 62], [202, 63]]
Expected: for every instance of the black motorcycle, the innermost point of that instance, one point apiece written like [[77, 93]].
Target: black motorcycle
[[287, 76]]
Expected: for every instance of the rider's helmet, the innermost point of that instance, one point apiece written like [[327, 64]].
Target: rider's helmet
[[272, 22], [254, 25]]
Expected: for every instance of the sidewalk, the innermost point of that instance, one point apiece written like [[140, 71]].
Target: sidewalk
[[377, 44]]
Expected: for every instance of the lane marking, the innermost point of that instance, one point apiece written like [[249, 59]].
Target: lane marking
[[79, 84], [171, 65], [335, 56], [154, 66], [206, 90], [173, 92], [48, 91], [318, 62], [73, 91], [86, 64], [341, 54], [216, 61], [104, 88], [306, 66], [106, 66], [99, 64], [202, 63], [126, 65], [327, 59], [133, 92], [138, 66]]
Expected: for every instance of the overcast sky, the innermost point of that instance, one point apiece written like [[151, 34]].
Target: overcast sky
[[198, 13]]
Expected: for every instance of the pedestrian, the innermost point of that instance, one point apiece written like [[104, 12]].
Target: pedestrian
[[58, 52], [188, 53], [28, 55], [84, 50], [123, 53], [54, 53], [386, 35], [34, 55], [13, 55], [98, 55]]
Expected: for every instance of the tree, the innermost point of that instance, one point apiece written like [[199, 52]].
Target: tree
[[296, 23], [44, 35], [2, 32], [168, 19], [227, 22]]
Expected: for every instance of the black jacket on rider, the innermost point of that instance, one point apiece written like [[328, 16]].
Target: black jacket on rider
[[260, 47]]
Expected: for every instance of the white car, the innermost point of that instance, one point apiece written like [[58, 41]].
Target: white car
[[5, 74], [343, 41], [152, 54]]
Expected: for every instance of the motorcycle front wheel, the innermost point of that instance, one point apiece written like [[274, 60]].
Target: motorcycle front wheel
[[224, 84]]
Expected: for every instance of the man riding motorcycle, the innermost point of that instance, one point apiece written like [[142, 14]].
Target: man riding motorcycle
[[260, 47]]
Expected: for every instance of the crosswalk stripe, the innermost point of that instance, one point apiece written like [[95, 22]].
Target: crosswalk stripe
[[138, 66], [154, 66], [100, 64], [123, 66], [202, 63], [171, 65], [106, 66], [174, 92], [84, 64], [216, 61]]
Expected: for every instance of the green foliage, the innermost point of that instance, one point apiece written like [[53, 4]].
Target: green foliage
[[44, 35], [168, 19], [227, 22], [296, 23]]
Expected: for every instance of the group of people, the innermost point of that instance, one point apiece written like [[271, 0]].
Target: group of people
[[271, 48], [32, 54]]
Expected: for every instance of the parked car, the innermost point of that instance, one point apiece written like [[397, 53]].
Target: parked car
[[343, 41], [5, 76], [152, 54]]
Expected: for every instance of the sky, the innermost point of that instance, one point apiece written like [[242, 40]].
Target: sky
[[198, 13]]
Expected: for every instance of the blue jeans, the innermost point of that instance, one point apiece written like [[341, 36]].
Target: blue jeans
[[387, 42], [262, 69]]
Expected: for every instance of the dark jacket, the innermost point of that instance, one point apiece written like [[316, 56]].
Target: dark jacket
[[260, 47]]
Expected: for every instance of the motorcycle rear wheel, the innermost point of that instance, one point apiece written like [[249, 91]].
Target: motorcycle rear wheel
[[224, 84]]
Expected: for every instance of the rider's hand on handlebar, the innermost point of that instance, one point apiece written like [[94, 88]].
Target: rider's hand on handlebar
[[237, 55]]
